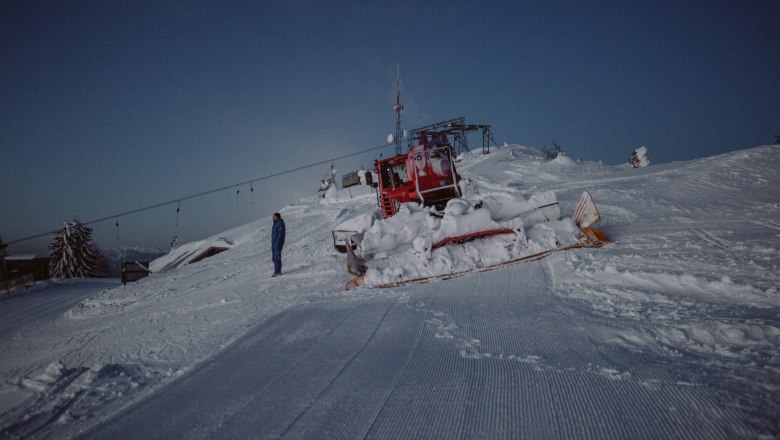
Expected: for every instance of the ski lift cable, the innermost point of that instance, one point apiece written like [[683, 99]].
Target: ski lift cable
[[205, 193]]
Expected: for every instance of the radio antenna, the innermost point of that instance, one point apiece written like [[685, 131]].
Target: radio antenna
[[398, 107]]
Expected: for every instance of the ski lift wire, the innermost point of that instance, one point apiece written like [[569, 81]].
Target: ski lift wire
[[212, 191]]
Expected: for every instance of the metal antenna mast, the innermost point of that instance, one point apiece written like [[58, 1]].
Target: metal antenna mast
[[398, 107]]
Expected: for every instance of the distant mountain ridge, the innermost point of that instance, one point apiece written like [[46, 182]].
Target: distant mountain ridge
[[116, 256]]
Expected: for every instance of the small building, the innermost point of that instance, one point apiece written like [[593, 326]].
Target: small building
[[350, 179], [208, 253], [19, 265], [134, 271]]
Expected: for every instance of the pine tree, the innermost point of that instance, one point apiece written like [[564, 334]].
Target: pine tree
[[73, 254]]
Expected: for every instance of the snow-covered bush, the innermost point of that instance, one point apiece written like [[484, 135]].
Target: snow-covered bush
[[639, 158], [73, 254]]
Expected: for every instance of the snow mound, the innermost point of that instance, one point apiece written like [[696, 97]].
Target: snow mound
[[562, 159], [185, 254], [404, 247]]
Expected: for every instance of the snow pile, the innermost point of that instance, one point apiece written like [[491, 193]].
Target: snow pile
[[331, 193], [360, 222], [401, 248], [563, 159], [182, 255]]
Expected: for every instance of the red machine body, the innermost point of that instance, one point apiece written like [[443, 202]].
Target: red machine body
[[426, 175]]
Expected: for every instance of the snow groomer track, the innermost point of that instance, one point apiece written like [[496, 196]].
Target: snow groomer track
[[515, 361]]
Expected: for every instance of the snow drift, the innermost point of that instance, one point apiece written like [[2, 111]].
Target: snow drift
[[404, 247]]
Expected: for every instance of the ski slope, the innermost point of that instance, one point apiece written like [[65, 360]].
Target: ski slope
[[671, 331]]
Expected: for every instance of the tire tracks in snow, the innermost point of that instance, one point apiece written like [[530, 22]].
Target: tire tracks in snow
[[394, 384], [291, 367], [224, 400], [19, 312], [558, 362], [375, 369], [339, 373]]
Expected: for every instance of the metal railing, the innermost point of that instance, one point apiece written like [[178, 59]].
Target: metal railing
[[447, 152]]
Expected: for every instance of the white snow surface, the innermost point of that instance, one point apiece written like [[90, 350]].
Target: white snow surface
[[673, 330]]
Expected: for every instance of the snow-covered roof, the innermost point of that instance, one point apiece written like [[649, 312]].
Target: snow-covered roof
[[24, 257]]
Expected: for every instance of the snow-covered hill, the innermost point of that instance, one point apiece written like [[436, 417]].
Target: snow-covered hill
[[678, 319]]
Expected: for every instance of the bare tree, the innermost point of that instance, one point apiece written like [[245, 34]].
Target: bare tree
[[551, 153]]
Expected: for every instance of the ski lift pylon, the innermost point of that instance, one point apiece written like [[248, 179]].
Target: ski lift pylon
[[178, 210]]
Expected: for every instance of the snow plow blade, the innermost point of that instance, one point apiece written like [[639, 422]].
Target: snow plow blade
[[595, 237], [344, 239], [586, 215], [355, 282], [355, 265], [591, 238]]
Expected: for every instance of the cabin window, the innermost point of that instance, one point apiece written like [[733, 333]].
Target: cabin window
[[394, 176]]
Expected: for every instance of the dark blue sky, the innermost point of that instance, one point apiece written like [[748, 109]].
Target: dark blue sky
[[110, 106]]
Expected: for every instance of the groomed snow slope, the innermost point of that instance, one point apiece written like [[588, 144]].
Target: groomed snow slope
[[671, 331]]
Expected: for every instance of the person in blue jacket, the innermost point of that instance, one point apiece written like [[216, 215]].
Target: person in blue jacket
[[277, 243]]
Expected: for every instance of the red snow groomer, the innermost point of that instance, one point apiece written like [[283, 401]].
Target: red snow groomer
[[426, 175]]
